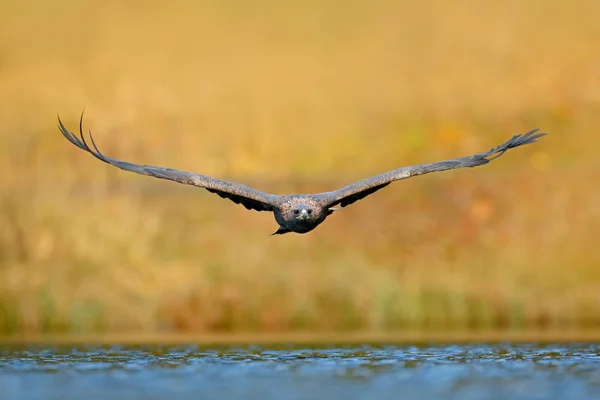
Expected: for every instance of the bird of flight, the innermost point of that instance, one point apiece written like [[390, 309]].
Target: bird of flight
[[299, 213]]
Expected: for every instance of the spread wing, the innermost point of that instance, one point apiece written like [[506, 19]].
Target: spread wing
[[358, 190], [240, 194]]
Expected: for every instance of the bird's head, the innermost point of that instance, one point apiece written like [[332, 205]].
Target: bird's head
[[302, 212]]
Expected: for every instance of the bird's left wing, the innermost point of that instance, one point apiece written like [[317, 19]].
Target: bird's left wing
[[240, 194], [358, 190]]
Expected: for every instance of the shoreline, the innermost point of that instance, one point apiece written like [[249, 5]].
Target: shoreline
[[543, 336]]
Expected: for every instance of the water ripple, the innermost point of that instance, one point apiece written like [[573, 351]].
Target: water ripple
[[291, 372]]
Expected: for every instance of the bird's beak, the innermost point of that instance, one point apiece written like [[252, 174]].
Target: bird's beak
[[303, 214]]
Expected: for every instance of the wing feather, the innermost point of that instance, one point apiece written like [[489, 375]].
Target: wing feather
[[358, 190], [250, 198]]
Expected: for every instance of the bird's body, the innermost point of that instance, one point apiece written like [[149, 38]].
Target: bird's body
[[303, 212]]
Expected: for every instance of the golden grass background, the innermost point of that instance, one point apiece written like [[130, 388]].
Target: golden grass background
[[295, 97]]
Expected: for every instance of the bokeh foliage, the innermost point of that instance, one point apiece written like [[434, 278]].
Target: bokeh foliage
[[299, 97]]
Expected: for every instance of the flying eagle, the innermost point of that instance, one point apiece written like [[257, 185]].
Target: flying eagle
[[299, 213]]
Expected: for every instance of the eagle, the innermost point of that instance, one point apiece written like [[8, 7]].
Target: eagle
[[298, 213]]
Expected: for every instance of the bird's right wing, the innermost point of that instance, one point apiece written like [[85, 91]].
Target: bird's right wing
[[358, 190], [240, 194]]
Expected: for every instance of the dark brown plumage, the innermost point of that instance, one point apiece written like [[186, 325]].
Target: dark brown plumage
[[298, 213]]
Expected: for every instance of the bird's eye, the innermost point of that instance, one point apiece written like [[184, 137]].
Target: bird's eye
[[296, 212], [309, 211]]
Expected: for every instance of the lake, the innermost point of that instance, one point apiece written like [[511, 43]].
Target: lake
[[461, 371]]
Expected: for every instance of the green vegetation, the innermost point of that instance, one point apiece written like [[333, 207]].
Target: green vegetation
[[299, 98]]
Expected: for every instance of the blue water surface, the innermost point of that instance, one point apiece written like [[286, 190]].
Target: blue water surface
[[498, 371]]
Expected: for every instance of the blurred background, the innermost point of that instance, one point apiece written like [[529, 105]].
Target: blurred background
[[296, 97]]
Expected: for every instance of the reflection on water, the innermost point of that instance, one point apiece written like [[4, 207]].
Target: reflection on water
[[293, 372]]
